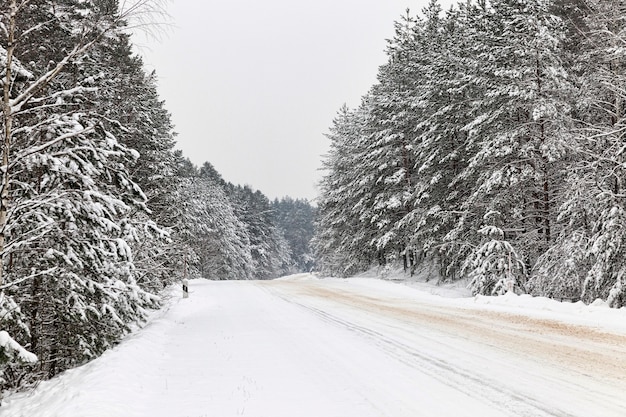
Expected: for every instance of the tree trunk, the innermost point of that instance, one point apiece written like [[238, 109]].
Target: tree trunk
[[7, 118]]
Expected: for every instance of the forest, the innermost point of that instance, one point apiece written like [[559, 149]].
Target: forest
[[98, 210], [491, 145]]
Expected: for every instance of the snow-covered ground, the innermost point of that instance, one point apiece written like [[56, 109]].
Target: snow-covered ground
[[303, 346]]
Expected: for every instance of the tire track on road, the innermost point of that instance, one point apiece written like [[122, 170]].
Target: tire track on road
[[462, 380], [508, 333], [583, 349]]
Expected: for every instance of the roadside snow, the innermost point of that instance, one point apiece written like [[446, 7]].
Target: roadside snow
[[396, 284]]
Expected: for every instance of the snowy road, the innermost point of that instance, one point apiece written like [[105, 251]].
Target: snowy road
[[323, 348]]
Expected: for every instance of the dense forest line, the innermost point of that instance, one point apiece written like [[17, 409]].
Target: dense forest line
[[492, 144], [98, 211]]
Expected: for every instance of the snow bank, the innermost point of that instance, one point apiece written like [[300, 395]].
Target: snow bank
[[597, 315], [396, 284]]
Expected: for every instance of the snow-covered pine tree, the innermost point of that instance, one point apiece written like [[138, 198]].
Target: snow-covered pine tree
[[520, 123], [207, 170], [599, 149], [270, 252], [216, 241], [67, 286], [388, 155], [294, 218], [494, 266], [342, 240], [128, 102], [439, 109]]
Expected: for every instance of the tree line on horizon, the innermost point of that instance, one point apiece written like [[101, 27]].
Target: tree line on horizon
[[491, 145], [98, 211]]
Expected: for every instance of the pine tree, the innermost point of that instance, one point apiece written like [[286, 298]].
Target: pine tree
[[342, 241], [520, 124], [389, 143], [215, 241], [294, 219], [67, 199], [495, 267], [129, 101], [439, 111], [600, 151]]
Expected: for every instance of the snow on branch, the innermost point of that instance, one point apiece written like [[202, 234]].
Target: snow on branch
[[17, 103], [7, 343], [64, 93], [44, 146], [26, 278], [16, 66]]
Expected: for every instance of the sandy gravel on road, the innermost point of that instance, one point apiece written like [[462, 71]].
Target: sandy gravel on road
[[579, 349]]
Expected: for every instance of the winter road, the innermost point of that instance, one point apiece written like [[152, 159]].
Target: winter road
[[324, 348]]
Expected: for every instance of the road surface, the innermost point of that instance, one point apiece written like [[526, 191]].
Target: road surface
[[323, 348]]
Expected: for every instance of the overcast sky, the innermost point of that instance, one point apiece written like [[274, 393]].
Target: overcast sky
[[253, 85]]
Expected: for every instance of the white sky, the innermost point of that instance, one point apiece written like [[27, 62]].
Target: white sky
[[253, 85]]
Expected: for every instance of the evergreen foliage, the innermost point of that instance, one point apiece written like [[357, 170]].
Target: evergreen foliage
[[294, 219], [234, 232], [70, 206], [492, 143]]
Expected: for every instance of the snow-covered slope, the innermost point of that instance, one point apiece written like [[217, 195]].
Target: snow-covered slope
[[362, 347]]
